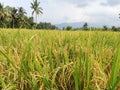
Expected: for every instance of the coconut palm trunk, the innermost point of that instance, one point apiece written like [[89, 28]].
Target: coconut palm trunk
[[36, 21]]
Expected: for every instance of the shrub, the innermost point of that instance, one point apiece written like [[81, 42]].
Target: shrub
[[69, 28]]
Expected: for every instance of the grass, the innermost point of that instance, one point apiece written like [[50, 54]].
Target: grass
[[59, 60]]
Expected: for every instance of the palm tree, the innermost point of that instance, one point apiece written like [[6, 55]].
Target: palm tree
[[1, 11], [14, 16], [36, 9], [2, 14], [21, 16], [21, 11], [8, 19]]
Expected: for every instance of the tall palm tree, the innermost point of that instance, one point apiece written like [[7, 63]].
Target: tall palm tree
[[36, 9]]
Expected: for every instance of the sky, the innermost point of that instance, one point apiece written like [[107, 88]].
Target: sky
[[99, 12]]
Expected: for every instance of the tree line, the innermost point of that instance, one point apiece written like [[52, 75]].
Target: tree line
[[85, 27], [12, 17]]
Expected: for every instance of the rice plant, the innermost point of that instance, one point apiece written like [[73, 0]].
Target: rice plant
[[59, 60]]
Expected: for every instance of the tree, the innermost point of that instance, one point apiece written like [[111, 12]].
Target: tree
[[14, 17], [1, 11], [21, 16], [11, 17], [2, 15], [36, 9], [105, 27], [45, 25], [8, 19], [114, 28], [69, 28], [31, 23], [85, 26]]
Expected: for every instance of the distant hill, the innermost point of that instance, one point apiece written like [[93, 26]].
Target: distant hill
[[74, 25], [78, 25]]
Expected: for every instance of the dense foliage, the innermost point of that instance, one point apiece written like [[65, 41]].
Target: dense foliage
[[69, 28], [11, 17], [45, 25]]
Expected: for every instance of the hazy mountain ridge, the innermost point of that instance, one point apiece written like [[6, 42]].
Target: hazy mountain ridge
[[74, 24], [78, 25]]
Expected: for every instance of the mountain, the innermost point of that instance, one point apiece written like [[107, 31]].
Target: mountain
[[78, 25], [74, 25]]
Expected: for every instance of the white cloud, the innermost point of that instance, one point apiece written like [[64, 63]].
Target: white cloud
[[113, 2], [60, 11], [93, 12]]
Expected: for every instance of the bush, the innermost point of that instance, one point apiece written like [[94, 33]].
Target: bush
[[69, 28], [114, 28], [105, 28]]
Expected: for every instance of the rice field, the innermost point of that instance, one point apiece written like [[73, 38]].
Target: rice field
[[59, 60]]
